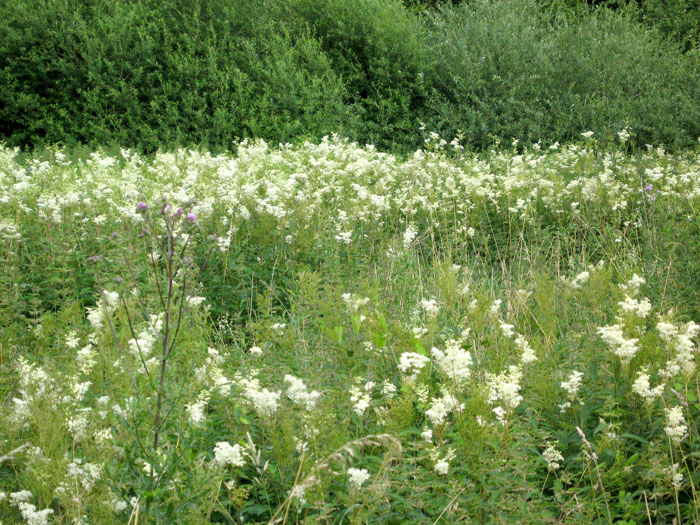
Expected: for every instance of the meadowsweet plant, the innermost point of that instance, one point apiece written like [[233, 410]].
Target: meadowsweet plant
[[507, 337]]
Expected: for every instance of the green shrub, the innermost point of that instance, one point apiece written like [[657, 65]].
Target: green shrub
[[150, 74], [378, 48], [679, 20], [510, 70]]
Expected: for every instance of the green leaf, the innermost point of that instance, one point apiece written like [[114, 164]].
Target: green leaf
[[420, 349], [636, 438]]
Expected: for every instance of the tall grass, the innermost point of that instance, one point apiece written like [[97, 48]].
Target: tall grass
[[327, 332]]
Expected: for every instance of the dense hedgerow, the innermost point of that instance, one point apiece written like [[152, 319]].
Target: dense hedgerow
[[677, 21], [326, 332], [511, 70], [150, 74]]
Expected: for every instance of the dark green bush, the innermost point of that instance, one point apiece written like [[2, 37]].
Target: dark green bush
[[150, 74], [378, 48], [510, 70], [677, 20]]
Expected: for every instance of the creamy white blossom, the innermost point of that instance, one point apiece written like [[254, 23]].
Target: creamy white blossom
[[572, 384], [441, 408], [430, 306], [227, 454], [357, 477], [639, 307], [552, 457], [409, 236], [299, 394], [615, 338], [642, 387], [580, 278], [504, 390], [454, 362], [411, 363], [676, 427]]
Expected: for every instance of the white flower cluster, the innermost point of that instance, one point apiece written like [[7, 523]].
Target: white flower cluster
[[441, 408], [508, 330], [389, 389], [344, 237], [195, 301], [196, 412], [454, 362], [31, 516], [639, 307], [676, 427], [142, 346], [571, 386], [80, 479], [354, 302], [633, 285], [679, 340], [580, 279], [441, 463], [360, 399], [34, 384], [528, 354], [675, 476], [77, 423], [264, 401], [9, 231], [430, 307], [227, 454], [409, 236], [212, 375], [357, 477], [86, 358], [411, 364], [72, 340], [298, 393], [442, 466], [614, 337], [504, 391], [96, 315], [642, 387], [419, 331], [552, 457]]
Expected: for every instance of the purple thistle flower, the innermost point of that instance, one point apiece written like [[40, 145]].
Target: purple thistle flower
[[191, 217], [141, 206], [649, 188]]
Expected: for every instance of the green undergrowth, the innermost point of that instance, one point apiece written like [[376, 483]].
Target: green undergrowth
[[327, 333]]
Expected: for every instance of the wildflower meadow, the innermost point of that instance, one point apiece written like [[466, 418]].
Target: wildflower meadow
[[328, 333]]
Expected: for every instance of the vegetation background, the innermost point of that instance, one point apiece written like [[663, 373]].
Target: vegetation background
[[499, 328], [158, 74]]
